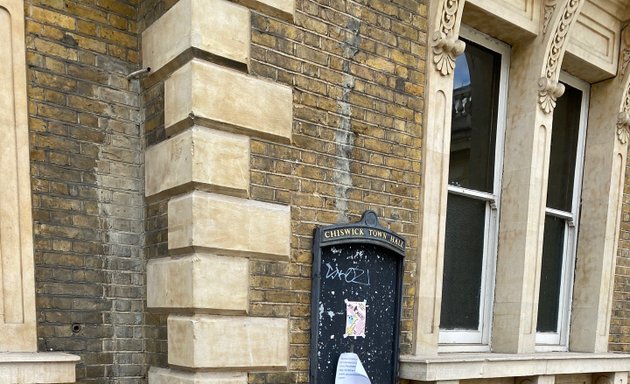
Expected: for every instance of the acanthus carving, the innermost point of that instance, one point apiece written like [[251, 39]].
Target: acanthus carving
[[559, 37], [446, 46], [548, 93], [550, 7], [445, 51], [625, 57], [623, 120], [549, 88]]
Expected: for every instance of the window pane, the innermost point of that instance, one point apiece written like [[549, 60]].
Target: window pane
[[473, 128], [564, 139], [551, 275], [463, 256]]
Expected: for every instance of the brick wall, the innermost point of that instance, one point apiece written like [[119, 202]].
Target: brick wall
[[86, 161], [620, 321], [357, 72]]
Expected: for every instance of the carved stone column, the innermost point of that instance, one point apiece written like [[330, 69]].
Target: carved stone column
[[602, 193], [534, 89], [444, 19]]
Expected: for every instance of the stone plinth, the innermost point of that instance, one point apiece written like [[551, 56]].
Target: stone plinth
[[37, 368]]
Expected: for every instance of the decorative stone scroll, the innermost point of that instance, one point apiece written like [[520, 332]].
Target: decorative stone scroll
[[623, 121], [445, 52], [554, 59], [549, 88], [550, 7], [548, 93], [446, 46], [625, 57]]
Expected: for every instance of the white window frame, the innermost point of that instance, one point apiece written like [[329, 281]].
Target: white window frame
[[559, 341], [479, 340]]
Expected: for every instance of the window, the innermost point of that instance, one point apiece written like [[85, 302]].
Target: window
[[561, 215], [474, 184]]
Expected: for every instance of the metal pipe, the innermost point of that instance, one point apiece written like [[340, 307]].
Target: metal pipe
[[139, 72]]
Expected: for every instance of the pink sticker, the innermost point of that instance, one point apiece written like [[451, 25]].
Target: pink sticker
[[356, 313]]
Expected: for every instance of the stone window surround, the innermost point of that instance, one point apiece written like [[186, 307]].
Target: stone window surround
[[449, 340], [558, 341], [604, 166]]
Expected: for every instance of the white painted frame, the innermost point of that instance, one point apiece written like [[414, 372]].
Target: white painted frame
[[479, 340], [559, 341]]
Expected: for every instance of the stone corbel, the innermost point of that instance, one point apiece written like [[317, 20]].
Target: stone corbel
[[623, 119], [548, 93], [623, 127], [445, 51]]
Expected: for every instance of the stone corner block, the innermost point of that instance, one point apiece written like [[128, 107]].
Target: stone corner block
[[218, 27], [229, 225], [281, 8], [213, 160], [169, 376], [227, 99], [199, 281], [247, 343]]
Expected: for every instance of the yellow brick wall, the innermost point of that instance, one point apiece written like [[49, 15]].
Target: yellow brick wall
[[357, 72]]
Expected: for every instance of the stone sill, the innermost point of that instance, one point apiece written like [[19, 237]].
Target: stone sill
[[44, 367], [461, 366]]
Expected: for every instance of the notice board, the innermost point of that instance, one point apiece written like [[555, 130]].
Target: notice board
[[356, 299]]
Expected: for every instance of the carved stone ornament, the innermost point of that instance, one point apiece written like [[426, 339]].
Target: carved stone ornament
[[548, 93], [559, 37], [625, 57], [446, 46], [623, 127], [550, 7], [445, 51]]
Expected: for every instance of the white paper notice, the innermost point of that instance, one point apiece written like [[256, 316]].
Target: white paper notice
[[350, 370]]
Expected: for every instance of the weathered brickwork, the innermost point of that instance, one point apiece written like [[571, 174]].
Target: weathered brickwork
[[357, 72], [87, 176], [620, 321], [356, 68], [357, 77]]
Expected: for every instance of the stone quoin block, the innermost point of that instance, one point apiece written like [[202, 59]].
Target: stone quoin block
[[282, 8], [216, 26], [205, 341], [198, 281], [167, 376], [229, 225], [229, 99], [214, 159]]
